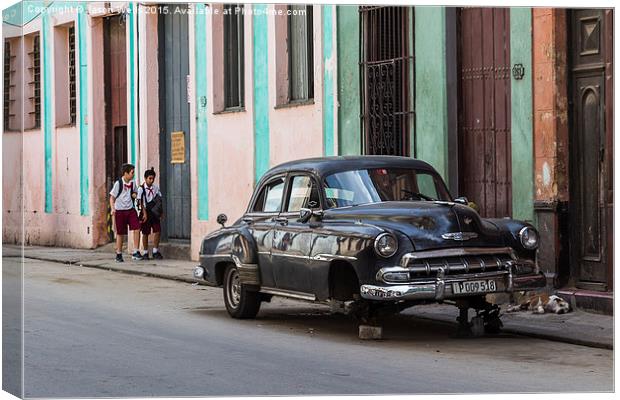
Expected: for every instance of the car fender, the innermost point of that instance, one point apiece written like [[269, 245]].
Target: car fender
[[226, 245]]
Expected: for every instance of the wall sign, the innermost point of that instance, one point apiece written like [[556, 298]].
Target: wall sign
[[518, 70], [177, 147]]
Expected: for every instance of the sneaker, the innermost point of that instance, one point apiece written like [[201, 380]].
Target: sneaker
[[157, 256], [136, 256], [145, 256], [119, 258]]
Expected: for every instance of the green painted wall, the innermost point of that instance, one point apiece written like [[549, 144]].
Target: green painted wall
[[82, 26], [200, 55], [328, 80], [349, 124], [261, 91], [431, 128], [21, 13], [132, 78], [47, 119], [521, 115]]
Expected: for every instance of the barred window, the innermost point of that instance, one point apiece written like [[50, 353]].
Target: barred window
[[7, 84], [72, 91], [301, 53], [35, 57], [233, 56]]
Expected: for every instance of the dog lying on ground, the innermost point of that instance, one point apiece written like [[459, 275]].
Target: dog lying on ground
[[541, 303]]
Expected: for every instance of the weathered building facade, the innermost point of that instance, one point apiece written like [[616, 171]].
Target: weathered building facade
[[502, 101]]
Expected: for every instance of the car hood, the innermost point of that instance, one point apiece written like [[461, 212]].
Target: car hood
[[428, 224]]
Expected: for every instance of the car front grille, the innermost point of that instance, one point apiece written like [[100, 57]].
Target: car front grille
[[456, 265]]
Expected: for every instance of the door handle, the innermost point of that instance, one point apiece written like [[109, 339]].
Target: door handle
[[282, 220], [247, 220]]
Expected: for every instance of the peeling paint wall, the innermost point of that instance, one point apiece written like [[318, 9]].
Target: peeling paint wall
[[431, 132], [348, 102], [521, 115], [550, 104]]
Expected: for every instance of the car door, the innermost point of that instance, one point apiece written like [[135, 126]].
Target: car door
[[260, 220], [292, 239]]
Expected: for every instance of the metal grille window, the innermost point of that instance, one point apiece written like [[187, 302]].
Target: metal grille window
[[386, 70], [35, 57], [7, 84], [233, 56], [301, 53], [72, 91]]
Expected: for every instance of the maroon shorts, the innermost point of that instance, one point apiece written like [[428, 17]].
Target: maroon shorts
[[122, 218], [150, 224]]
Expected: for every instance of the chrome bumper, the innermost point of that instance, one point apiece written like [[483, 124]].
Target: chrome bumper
[[440, 288]]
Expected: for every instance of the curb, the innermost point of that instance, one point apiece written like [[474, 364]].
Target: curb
[[103, 266], [545, 336]]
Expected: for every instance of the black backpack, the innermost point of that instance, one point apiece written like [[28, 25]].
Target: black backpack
[[153, 207]]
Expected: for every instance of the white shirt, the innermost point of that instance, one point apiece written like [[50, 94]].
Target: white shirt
[[124, 200], [151, 192]]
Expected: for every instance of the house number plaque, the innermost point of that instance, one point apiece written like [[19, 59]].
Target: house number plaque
[[177, 147]]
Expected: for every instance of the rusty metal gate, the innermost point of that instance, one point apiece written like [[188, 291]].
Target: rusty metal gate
[[385, 68], [484, 109], [591, 148]]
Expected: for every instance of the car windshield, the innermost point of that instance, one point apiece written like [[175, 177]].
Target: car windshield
[[362, 186]]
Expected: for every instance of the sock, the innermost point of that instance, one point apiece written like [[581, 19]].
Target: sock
[[145, 252], [135, 251], [119, 252], [155, 250]]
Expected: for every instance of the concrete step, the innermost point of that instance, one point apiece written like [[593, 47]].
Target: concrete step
[[176, 250], [589, 300]]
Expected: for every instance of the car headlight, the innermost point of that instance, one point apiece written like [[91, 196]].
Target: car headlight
[[529, 238], [386, 245]]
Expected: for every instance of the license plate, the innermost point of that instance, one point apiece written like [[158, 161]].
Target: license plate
[[485, 286]]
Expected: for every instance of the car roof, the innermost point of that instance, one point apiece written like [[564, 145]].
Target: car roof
[[323, 166]]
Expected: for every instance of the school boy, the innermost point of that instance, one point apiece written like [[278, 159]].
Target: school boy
[[150, 202], [122, 198]]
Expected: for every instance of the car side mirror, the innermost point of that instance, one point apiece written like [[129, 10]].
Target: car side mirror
[[462, 200], [221, 219], [304, 215]]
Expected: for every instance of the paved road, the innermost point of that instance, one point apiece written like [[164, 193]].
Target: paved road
[[92, 333]]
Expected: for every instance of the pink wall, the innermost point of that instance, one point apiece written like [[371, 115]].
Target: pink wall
[[231, 148]]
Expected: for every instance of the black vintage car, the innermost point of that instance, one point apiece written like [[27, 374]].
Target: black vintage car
[[381, 231]]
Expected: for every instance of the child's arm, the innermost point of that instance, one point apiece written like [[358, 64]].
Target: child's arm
[[113, 198]]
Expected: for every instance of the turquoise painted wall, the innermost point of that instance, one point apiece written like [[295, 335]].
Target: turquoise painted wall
[[521, 115], [349, 124], [200, 47], [261, 91], [47, 95], [132, 129], [23, 12], [328, 80], [82, 29], [431, 128]]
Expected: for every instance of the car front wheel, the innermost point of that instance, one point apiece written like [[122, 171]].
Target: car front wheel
[[240, 302]]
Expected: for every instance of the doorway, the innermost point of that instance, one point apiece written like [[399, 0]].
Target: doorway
[[484, 109]]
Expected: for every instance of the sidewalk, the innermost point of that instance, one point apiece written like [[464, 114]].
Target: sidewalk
[[577, 327]]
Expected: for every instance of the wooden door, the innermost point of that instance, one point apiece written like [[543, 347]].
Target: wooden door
[[484, 109], [590, 147], [115, 83], [174, 121]]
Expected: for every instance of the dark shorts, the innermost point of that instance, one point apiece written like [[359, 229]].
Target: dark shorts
[[151, 224], [122, 218]]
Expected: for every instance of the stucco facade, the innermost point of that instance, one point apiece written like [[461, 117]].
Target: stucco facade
[[62, 166]]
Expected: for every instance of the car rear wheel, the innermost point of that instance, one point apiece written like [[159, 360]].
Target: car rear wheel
[[240, 302]]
